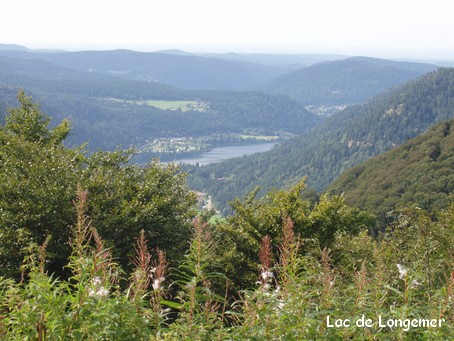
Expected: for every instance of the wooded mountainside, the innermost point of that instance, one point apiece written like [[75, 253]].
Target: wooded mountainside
[[186, 71], [418, 173], [346, 81], [341, 142]]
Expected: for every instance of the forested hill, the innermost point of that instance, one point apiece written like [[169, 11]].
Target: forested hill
[[347, 81], [420, 172], [341, 142], [110, 111], [185, 71]]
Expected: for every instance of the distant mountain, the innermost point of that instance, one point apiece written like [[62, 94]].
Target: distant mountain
[[176, 69], [16, 68], [284, 60], [175, 51], [348, 81], [341, 142], [420, 172], [13, 47]]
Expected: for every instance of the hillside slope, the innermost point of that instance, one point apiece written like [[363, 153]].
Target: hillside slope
[[419, 172], [341, 142], [347, 81]]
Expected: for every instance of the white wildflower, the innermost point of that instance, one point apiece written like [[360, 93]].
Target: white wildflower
[[266, 275], [157, 283], [402, 271], [96, 281], [100, 292], [414, 284]]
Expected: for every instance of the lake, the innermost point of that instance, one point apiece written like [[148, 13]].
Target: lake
[[224, 153]]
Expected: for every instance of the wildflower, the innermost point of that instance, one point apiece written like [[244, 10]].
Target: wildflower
[[157, 283], [96, 281], [100, 292], [414, 284], [266, 275], [402, 271]]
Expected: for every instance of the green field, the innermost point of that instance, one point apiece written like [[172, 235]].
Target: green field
[[177, 105], [259, 137], [165, 105]]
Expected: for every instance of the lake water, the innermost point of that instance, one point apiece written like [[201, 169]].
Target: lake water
[[224, 153]]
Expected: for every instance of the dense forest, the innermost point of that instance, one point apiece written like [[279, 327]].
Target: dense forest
[[95, 248], [346, 81], [420, 172], [339, 143]]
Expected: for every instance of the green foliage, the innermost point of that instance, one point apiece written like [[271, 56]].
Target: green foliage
[[200, 308], [126, 199], [384, 279], [38, 179], [28, 122], [418, 173], [37, 182], [403, 277], [255, 218], [88, 306]]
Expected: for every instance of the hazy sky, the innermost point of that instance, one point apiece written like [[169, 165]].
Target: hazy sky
[[382, 28]]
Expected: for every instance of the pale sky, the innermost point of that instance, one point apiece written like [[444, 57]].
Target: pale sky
[[416, 29]]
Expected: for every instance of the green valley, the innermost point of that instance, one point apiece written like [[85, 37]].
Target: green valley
[[102, 244]]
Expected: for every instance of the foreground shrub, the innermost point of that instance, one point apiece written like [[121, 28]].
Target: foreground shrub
[[397, 287]]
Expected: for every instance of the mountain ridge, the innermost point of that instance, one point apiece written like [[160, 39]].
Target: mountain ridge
[[187, 71], [347, 81]]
